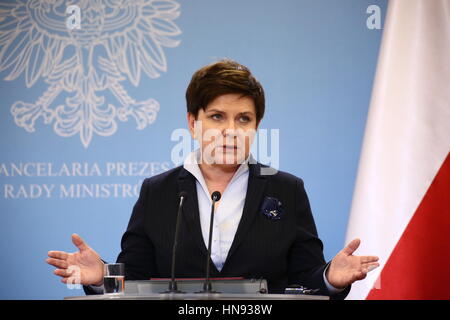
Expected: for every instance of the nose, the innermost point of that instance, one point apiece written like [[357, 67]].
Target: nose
[[229, 128]]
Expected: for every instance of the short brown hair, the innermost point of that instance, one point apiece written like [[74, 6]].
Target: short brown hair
[[223, 77]]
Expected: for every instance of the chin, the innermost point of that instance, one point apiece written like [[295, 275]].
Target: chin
[[229, 158]]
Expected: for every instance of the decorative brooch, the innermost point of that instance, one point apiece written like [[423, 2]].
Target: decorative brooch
[[272, 208]]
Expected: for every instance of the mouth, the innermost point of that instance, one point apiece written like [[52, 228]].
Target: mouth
[[229, 148]]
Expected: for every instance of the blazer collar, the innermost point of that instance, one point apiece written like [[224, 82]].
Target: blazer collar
[[255, 191], [191, 213]]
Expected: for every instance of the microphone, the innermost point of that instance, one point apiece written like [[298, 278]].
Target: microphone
[[173, 288], [207, 284]]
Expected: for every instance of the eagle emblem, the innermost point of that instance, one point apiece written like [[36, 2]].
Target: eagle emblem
[[117, 41]]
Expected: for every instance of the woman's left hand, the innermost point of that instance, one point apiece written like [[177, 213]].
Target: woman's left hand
[[345, 268]]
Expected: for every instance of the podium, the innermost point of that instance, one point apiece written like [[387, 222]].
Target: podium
[[251, 289], [200, 296]]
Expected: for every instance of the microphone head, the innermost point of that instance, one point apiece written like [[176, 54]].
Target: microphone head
[[182, 194], [216, 196]]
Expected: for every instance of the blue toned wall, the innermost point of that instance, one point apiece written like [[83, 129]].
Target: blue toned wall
[[315, 59]]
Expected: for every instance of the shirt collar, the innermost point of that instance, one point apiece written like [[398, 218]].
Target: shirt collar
[[191, 164]]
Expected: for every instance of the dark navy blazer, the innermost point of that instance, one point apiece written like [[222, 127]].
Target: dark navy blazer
[[283, 251]]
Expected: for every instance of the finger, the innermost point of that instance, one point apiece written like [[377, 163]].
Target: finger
[[371, 267], [57, 263], [63, 273], [58, 255], [71, 280], [369, 259], [351, 247], [66, 280], [79, 242]]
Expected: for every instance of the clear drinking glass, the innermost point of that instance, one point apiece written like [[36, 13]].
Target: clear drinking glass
[[114, 278]]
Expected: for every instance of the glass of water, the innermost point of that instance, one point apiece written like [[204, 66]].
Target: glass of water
[[114, 278]]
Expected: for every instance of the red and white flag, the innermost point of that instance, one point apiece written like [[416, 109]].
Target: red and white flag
[[401, 204]]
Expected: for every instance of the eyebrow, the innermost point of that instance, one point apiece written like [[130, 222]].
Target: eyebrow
[[221, 111], [214, 110]]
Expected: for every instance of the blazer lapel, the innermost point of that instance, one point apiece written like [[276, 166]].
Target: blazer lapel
[[255, 192], [191, 215]]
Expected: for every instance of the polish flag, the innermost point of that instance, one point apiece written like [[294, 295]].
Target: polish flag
[[401, 203]]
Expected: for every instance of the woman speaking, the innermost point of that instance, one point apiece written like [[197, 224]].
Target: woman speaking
[[263, 226]]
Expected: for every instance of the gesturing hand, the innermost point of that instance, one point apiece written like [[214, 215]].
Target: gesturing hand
[[345, 268], [86, 261]]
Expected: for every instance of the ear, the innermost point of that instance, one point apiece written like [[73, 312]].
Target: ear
[[191, 121]]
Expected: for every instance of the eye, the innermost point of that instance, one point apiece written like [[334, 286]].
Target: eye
[[216, 116], [244, 119]]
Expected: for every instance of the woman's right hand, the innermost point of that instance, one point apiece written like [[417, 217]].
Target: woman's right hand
[[85, 264]]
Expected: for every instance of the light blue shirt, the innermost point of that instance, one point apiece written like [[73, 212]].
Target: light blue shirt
[[228, 211]]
